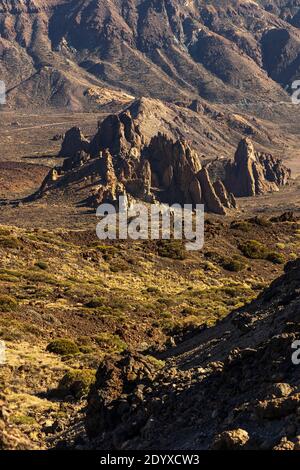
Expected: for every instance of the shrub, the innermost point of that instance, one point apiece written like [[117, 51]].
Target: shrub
[[110, 342], [240, 225], [153, 290], [23, 420], [173, 249], [276, 258], [234, 265], [261, 221], [253, 249], [96, 302], [7, 303], [63, 347], [42, 265], [77, 383], [9, 242], [159, 364]]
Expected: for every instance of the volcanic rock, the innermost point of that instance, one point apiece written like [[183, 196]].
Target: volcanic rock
[[252, 173], [115, 380], [211, 200], [119, 134], [120, 162], [73, 143], [231, 440], [217, 388], [227, 199], [174, 167]]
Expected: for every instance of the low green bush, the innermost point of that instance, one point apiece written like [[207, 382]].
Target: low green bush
[[110, 342], [241, 225], [9, 242], [96, 302], [253, 249], [42, 265], [235, 265], [77, 383], [275, 257], [173, 249], [63, 347], [7, 303]]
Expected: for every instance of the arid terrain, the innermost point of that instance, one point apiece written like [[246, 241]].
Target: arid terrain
[[157, 101]]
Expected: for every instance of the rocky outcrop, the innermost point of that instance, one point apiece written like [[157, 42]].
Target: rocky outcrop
[[211, 200], [174, 168], [253, 173], [227, 199], [119, 161], [114, 379], [231, 440], [119, 134], [73, 143], [234, 386]]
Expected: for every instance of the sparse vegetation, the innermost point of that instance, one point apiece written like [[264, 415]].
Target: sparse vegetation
[[66, 290], [275, 257], [94, 303], [235, 265], [9, 241], [241, 225], [156, 362], [42, 265], [255, 250]]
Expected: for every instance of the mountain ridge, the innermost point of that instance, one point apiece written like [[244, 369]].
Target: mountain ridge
[[165, 50]]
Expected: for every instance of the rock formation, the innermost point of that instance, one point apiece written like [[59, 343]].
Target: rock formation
[[233, 386], [211, 199], [73, 143], [227, 199], [175, 166], [119, 134], [253, 173], [118, 161]]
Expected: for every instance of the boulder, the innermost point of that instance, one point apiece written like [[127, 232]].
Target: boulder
[[115, 380], [231, 440]]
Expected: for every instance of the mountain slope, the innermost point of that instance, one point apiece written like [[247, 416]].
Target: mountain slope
[[233, 386], [170, 49]]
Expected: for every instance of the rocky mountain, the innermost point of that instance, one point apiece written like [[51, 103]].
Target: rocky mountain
[[233, 386], [68, 54], [121, 161]]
